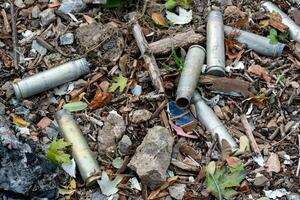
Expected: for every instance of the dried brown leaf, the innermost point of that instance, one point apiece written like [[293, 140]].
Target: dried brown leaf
[[259, 101], [89, 19], [233, 162], [244, 187], [158, 19], [100, 99], [240, 23], [189, 151], [259, 71], [233, 10]]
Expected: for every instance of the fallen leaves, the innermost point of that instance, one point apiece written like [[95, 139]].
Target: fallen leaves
[[233, 10], [260, 71], [75, 106], [244, 146], [120, 83], [100, 99], [184, 16], [89, 19], [159, 19], [56, 152], [19, 121]]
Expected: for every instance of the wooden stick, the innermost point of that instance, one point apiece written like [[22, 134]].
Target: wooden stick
[[147, 55], [250, 134], [6, 25], [185, 39], [14, 33]]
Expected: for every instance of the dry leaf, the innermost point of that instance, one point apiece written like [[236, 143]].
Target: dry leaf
[[100, 99], [259, 101], [233, 10], [190, 151], [233, 162], [89, 19], [273, 163], [170, 181], [260, 71], [244, 187], [240, 23], [19, 121], [158, 19]]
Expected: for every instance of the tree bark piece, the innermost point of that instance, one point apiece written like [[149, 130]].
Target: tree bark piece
[[182, 40], [147, 55], [250, 134], [14, 33]]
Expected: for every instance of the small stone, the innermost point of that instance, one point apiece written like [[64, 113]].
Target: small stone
[[260, 180], [2, 108], [272, 124], [19, 3], [124, 144], [2, 44], [97, 196], [152, 158], [113, 129], [273, 163], [51, 133], [70, 6], [177, 191], [139, 116], [280, 120], [39, 48], [29, 2], [66, 39], [289, 125], [47, 16], [35, 12], [44, 122]]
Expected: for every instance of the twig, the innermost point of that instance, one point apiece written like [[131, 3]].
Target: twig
[[14, 33], [250, 134], [298, 168], [147, 55], [5, 22]]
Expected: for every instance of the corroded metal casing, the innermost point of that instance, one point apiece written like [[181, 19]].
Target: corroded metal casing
[[294, 29], [209, 119], [87, 164], [50, 78], [215, 44], [256, 42], [190, 75]]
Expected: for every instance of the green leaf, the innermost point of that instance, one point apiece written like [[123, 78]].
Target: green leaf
[[119, 82], [244, 146], [283, 36], [224, 179], [75, 106], [273, 32], [113, 4], [273, 36], [185, 3], [56, 152], [178, 61], [170, 4]]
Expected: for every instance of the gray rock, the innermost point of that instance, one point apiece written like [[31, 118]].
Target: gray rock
[[97, 196], [72, 6], [138, 116], [29, 2], [19, 3], [124, 144], [260, 180], [153, 156], [35, 13], [47, 16], [39, 48], [51, 133], [113, 129], [66, 39], [177, 191]]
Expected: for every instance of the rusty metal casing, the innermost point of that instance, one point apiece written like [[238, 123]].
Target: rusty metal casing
[[294, 29], [215, 44], [256, 42], [212, 123], [190, 75], [87, 164], [50, 78]]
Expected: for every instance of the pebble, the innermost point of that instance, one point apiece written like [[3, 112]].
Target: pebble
[[139, 116], [260, 180], [177, 191], [2, 44], [35, 12], [124, 144], [39, 48], [47, 16], [69, 6], [19, 3], [66, 39], [2, 108], [29, 2], [272, 124]]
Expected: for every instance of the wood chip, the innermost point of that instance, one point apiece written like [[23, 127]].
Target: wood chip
[[278, 25], [260, 71], [250, 134]]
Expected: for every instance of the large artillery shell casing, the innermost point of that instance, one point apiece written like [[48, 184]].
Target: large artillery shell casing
[[88, 166], [215, 44], [190, 75], [256, 42], [51, 78], [212, 123], [294, 29]]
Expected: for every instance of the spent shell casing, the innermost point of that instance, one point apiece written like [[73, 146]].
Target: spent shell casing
[[294, 29], [50, 78], [256, 42], [215, 47], [209, 119], [87, 164], [190, 75]]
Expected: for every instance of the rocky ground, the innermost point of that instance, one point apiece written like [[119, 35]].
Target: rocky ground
[[147, 147]]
